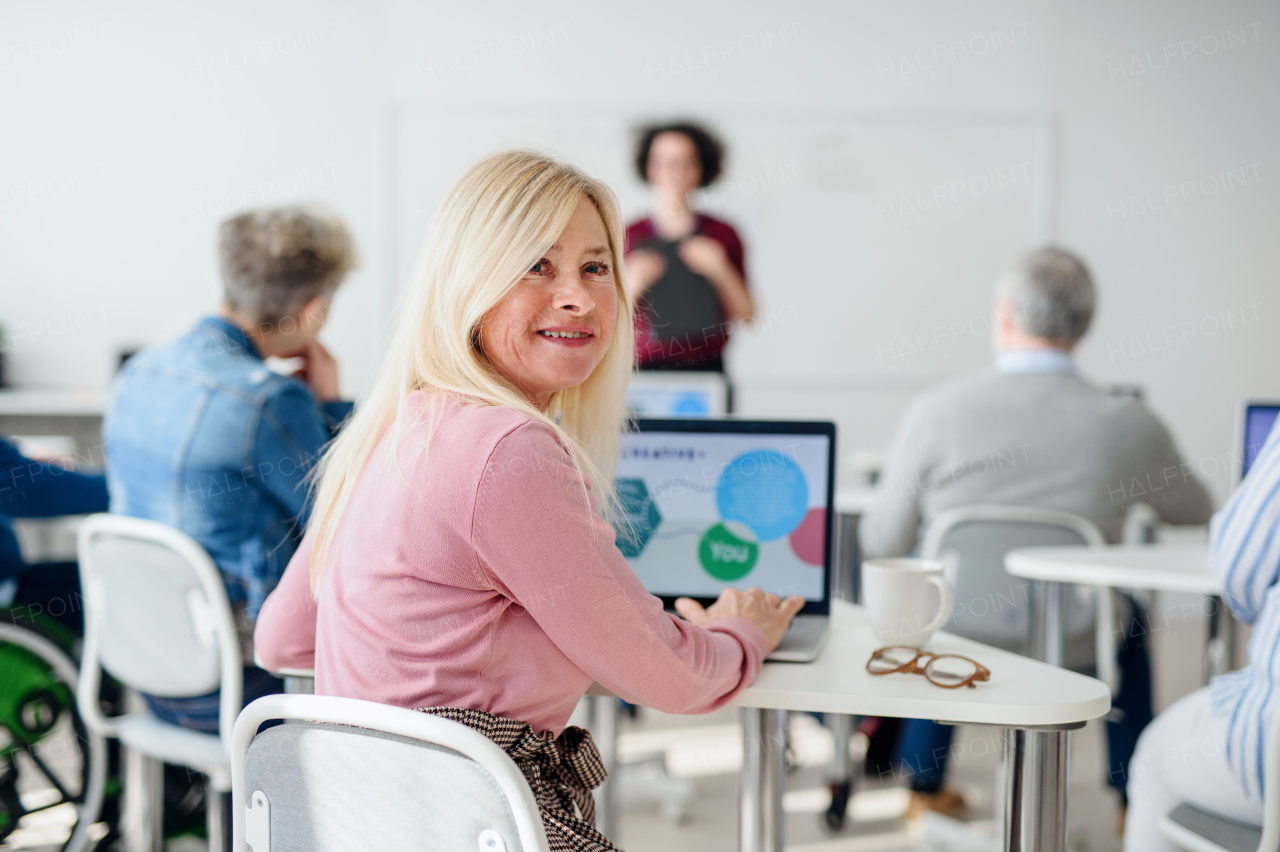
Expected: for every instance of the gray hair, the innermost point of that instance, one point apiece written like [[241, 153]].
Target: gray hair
[[1051, 295], [277, 259]]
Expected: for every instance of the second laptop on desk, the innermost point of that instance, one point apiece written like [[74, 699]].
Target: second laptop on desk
[[711, 504]]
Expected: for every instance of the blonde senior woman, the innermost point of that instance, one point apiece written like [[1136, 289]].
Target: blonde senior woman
[[459, 560]]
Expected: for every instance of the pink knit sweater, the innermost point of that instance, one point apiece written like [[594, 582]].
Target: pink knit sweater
[[471, 572]]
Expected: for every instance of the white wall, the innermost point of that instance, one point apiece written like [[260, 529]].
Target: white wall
[[1190, 305], [131, 128]]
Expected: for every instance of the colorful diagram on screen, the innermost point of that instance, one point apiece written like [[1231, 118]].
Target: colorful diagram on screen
[[756, 518]]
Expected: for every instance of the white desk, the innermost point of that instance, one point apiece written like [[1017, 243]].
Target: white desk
[[1166, 568], [1040, 704], [54, 402], [1158, 567], [1021, 693]]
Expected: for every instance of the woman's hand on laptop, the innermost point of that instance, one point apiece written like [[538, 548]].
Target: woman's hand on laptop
[[765, 610]]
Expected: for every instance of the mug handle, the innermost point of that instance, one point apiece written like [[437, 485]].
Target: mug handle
[[947, 599]]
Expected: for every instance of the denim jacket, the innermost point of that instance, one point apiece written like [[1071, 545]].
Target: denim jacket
[[202, 436]]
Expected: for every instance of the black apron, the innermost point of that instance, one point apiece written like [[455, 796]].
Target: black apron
[[681, 305]]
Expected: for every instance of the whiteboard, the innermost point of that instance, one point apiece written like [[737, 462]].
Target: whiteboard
[[873, 242]]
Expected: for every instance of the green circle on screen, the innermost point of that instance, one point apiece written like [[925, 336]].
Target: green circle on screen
[[725, 556]]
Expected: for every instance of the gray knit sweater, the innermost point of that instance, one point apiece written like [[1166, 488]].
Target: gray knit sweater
[[1049, 440]]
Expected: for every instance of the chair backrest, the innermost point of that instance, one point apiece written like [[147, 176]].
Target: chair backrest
[[363, 776], [991, 604], [156, 616]]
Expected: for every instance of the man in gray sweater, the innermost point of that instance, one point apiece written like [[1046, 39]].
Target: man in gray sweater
[[1031, 432]]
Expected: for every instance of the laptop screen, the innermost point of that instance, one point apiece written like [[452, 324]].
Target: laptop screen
[[714, 504], [677, 394], [1258, 421]]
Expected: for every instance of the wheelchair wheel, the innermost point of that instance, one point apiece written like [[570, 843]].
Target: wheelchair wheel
[[52, 769]]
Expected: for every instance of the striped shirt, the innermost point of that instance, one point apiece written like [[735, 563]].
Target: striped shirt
[[1245, 539]]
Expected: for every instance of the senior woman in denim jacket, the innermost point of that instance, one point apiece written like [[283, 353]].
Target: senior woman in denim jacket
[[459, 554], [202, 436]]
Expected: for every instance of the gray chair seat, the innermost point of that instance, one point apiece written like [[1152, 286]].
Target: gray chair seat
[[1201, 831], [173, 744]]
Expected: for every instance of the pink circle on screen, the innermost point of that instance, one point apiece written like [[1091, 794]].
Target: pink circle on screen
[[806, 539]]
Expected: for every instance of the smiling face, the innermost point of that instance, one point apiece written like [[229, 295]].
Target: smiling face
[[553, 329], [674, 167]]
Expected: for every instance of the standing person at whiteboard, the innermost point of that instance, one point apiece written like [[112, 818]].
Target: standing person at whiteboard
[[685, 269]]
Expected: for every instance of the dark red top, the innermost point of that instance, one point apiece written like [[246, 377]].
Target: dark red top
[[703, 353]]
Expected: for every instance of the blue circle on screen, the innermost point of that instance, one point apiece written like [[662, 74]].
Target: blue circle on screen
[[764, 490], [690, 403]]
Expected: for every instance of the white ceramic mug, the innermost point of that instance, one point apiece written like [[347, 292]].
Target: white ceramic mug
[[907, 599]]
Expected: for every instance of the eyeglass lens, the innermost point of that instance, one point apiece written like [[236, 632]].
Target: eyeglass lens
[[892, 659], [950, 671]]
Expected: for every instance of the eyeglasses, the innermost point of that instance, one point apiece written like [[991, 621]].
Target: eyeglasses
[[949, 671]]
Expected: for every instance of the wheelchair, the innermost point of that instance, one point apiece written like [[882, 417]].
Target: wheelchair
[[53, 771]]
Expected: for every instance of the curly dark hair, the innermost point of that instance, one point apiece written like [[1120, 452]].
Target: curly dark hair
[[710, 149]]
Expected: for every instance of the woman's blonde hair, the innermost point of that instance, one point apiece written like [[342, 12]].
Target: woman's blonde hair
[[497, 220]]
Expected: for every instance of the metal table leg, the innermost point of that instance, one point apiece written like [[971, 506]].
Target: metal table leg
[[1222, 634], [846, 585], [602, 721], [763, 780], [841, 771], [845, 574], [1049, 628], [297, 685], [1035, 806]]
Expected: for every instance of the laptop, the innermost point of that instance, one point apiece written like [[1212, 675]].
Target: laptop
[[1256, 421], [677, 393], [711, 504]]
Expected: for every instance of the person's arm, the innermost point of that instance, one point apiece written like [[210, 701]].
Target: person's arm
[[291, 436], [320, 374], [1185, 499], [285, 634], [30, 488], [891, 526], [1244, 536], [539, 543]]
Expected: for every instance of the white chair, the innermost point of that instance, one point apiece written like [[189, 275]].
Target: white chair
[[356, 776], [971, 542], [1198, 830], [157, 619], [993, 606]]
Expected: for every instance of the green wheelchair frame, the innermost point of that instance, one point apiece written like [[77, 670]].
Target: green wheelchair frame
[[38, 675]]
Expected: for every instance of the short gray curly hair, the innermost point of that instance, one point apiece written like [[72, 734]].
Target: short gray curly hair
[[276, 259], [1051, 295]]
